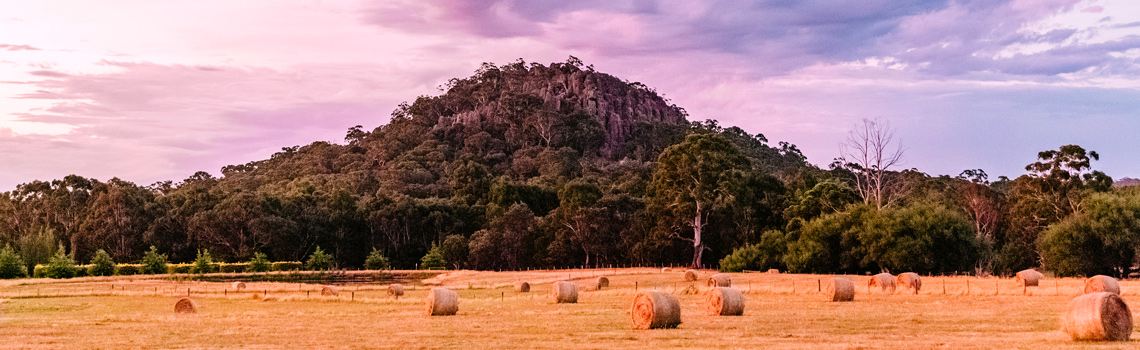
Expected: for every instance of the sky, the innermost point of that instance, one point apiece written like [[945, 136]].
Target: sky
[[150, 91]]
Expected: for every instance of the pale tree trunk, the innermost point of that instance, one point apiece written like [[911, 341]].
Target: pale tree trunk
[[698, 245]]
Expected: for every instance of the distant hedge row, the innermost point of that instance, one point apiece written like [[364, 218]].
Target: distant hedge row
[[61, 265], [41, 271]]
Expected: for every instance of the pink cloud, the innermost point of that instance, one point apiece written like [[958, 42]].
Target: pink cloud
[[1093, 9]]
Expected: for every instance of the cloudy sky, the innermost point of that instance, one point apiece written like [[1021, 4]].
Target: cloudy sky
[[156, 90]]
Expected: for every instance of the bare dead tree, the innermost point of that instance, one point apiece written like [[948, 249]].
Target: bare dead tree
[[871, 151]]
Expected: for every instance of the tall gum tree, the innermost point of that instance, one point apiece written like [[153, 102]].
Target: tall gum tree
[[693, 178], [870, 152]]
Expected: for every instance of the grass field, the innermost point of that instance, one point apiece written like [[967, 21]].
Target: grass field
[[782, 311]]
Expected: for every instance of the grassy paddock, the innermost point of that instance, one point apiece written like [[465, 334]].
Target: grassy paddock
[[782, 311]]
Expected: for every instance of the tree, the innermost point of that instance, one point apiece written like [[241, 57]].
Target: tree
[[455, 249], [259, 263], [825, 197], [117, 217], [319, 261], [695, 177], [1061, 177], [153, 263], [60, 266], [984, 206], [1054, 189], [433, 260], [1101, 239], [376, 260], [38, 247], [921, 237], [101, 264], [204, 263], [504, 244], [11, 265], [870, 152], [768, 254]]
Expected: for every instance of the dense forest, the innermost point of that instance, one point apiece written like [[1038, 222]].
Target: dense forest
[[528, 165]]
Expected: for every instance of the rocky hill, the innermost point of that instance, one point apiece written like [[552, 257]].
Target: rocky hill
[[541, 96]]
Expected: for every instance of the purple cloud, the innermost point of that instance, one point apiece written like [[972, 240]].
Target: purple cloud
[[151, 122], [941, 38], [11, 47]]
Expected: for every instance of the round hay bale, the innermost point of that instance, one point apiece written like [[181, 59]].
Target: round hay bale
[[185, 306], [774, 271], [690, 275], [840, 289], [238, 286], [883, 282], [666, 269], [603, 282], [1102, 283], [396, 290], [910, 281], [1098, 316], [720, 280], [442, 302], [522, 287], [655, 309], [329, 291], [1028, 278], [564, 292], [723, 301]]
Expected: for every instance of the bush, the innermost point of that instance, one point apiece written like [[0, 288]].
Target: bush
[[38, 247], [153, 263], [319, 261], [287, 265], [233, 267], [60, 266], [179, 268], [376, 261], [455, 250], [204, 263], [259, 263], [433, 260], [768, 254], [1101, 239], [129, 269], [922, 237], [101, 264], [81, 270], [11, 265]]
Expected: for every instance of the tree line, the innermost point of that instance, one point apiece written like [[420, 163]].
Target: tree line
[[529, 166]]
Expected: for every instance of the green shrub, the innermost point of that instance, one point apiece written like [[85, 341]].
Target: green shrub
[[81, 270], [455, 249], [179, 268], [204, 263], [38, 247], [319, 261], [128, 269], [101, 264], [259, 263], [376, 261], [11, 265], [153, 263], [1099, 240], [433, 260], [38, 271], [768, 254], [60, 266], [287, 265], [233, 267]]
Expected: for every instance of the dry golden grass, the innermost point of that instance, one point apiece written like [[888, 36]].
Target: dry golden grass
[[784, 311]]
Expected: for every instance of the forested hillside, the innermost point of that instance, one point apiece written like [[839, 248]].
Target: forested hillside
[[528, 165]]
